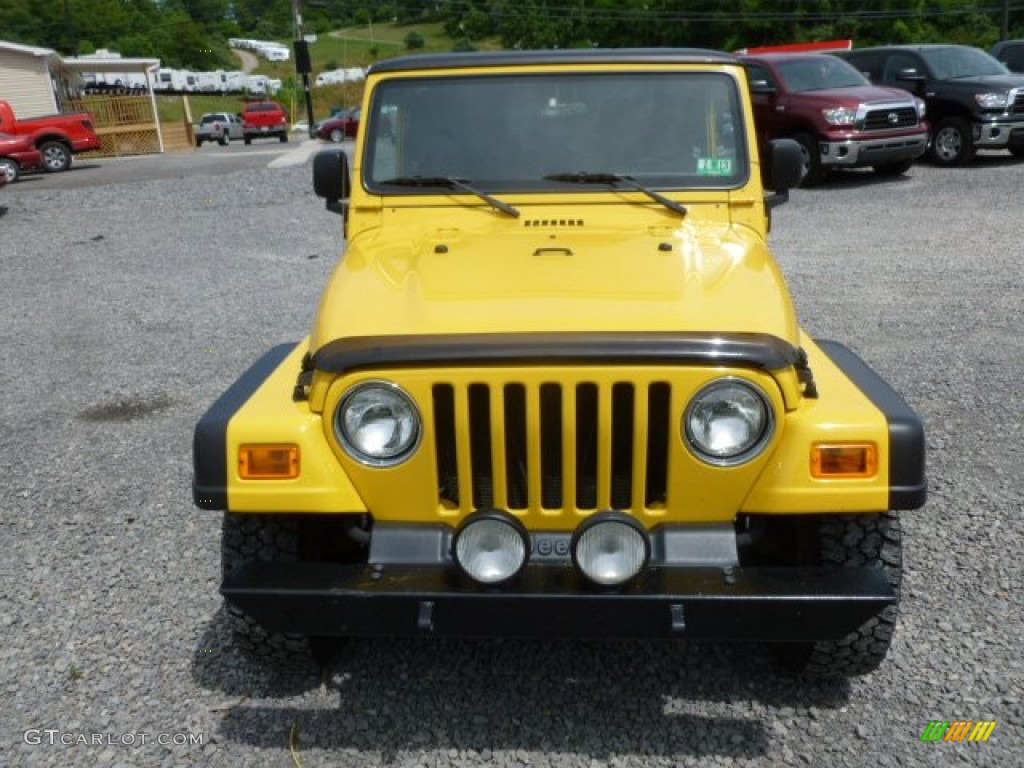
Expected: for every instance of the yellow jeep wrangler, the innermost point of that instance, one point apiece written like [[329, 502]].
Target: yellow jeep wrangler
[[556, 384]]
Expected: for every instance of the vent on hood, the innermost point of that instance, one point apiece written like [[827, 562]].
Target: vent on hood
[[553, 223]]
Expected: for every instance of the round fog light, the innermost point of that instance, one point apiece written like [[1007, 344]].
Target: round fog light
[[491, 546], [611, 548]]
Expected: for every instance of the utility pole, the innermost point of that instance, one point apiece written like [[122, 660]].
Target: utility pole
[[302, 63], [1005, 26]]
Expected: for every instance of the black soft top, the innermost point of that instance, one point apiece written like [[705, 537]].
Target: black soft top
[[543, 58]]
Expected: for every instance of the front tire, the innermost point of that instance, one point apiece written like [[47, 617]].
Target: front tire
[[9, 169], [852, 541], [285, 538], [56, 156], [260, 537], [952, 143], [283, 138], [814, 173], [337, 135], [1017, 152]]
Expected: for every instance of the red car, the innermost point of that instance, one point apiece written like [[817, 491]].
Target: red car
[[340, 127], [16, 155], [58, 137], [264, 119]]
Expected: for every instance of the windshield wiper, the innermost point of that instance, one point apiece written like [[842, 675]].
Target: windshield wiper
[[615, 178], [452, 183]]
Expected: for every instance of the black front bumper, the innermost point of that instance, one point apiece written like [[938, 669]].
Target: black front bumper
[[763, 604]]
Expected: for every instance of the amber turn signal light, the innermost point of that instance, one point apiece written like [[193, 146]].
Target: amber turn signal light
[[844, 460], [268, 461]]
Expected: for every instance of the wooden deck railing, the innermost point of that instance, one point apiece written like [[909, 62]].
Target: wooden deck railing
[[126, 126], [108, 111]]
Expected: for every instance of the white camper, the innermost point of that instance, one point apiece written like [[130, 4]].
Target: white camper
[[274, 52]]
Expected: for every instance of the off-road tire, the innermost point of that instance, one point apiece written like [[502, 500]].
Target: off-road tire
[[894, 169], [262, 537], [952, 142], [56, 156], [852, 541], [814, 173]]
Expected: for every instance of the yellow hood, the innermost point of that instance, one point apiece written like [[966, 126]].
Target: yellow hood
[[536, 275]]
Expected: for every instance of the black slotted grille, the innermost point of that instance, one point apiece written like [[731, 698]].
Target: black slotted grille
[[888, 119], [622, 446], [552, 447], [586, 446]]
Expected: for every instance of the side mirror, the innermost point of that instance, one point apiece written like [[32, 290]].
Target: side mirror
[[911, 79], [762, 88], [332, 179], [782, 169], [910, 75]]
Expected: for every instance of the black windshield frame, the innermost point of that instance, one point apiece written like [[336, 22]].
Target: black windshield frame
[[506, 132]]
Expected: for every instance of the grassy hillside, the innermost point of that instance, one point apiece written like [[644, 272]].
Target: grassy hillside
[[340, 49]]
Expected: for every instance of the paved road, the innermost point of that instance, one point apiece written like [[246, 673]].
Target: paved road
[[209, 160]]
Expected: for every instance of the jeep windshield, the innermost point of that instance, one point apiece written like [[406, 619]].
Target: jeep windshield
[[522, 132]]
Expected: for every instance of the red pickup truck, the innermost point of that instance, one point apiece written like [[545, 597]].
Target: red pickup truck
[[264, 119], [838, 117], [57, 137]]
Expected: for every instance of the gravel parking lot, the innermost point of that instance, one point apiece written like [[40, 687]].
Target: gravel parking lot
[[127, 308]]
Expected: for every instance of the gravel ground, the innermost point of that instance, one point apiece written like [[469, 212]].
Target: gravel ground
[[128, 308]]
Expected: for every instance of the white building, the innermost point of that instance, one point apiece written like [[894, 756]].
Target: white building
[[35, 81]]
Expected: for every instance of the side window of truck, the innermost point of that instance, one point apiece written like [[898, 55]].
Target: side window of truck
[[760, 78], [901, 64], [870, 65], [1013, 57]]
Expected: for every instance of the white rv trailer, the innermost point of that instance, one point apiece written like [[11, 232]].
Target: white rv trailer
[[274, 52]]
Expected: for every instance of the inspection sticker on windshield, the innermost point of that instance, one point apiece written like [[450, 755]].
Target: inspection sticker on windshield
[[714, 166]]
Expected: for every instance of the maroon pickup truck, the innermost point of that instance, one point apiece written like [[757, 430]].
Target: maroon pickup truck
[[57, 137], [16, 155], [839, 118]]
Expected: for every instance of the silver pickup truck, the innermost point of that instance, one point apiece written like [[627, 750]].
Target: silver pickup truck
[[221, 127]]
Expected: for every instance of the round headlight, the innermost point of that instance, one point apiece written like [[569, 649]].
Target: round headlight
[[378, 424], [491, 547], [611, 548], [728, 422]]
